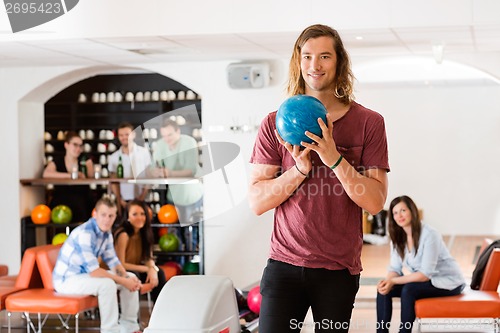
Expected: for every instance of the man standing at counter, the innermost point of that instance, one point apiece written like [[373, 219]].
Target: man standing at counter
[[125, 192], [176, 155]]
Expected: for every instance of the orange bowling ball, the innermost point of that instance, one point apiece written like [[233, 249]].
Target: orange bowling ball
[[167, 214], [40, 214]]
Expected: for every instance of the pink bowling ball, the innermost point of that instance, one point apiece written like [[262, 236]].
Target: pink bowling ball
[[253, 299]]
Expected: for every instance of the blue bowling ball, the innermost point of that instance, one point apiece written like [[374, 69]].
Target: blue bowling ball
[[298, 114]]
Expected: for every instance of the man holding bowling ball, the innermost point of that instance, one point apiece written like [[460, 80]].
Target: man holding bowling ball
[[318, 191]]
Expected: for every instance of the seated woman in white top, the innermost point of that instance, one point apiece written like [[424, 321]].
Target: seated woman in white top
[[432, 270]]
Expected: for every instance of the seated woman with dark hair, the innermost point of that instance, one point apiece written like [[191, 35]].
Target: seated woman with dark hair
[[134, 246], [432, 270]]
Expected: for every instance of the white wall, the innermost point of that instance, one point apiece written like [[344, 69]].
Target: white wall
[[22, 151], [443, 150]]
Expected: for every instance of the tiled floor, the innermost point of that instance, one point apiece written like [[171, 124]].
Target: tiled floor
[[374, 258]]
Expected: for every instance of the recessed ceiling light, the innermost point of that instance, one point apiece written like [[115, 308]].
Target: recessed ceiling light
[[359, 37], [147, 51], [170, 50]]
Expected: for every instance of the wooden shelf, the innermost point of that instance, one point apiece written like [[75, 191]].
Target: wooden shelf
[[176, 253], [106, 181], [164, 181], [69, 182], [53, 225]]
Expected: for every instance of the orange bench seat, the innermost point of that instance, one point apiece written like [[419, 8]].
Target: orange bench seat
[[28, 277], [470, 304], [48, 301], [45, 299], [8, 280], [6, 291], [482, 303]]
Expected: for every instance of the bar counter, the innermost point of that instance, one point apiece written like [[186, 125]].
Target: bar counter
[[106, 181]]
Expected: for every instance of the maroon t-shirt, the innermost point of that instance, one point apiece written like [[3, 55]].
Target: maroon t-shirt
[[319, 226]]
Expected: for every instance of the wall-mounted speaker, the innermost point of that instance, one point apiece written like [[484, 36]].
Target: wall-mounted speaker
[[248, 75]]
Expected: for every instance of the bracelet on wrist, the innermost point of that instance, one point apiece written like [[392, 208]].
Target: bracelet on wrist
[[156, 268], [336, 163], [303, 174]]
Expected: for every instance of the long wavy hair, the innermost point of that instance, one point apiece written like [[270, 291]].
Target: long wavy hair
[[145, 232], [344, 77], [397, 234]]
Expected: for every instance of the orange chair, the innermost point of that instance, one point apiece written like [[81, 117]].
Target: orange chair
[[486, 242], [482, 303], [4, 270], [45, 300], [27, 266], [8, 280], [28, 277]]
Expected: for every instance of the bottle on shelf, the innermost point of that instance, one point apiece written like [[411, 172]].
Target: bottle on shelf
[[83, 166], [119, 168]]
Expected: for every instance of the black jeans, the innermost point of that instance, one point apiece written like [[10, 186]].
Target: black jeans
[[288, 291], [408, 293]]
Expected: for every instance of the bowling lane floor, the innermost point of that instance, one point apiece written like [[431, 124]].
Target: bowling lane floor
[[375, 259]]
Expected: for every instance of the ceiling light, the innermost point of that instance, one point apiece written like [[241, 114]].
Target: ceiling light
[[419, 69]]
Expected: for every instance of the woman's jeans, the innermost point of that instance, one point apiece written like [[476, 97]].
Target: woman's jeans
[[408, 293], [288, 291]]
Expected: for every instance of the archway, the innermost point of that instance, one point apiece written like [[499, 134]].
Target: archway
[[31, 129]]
